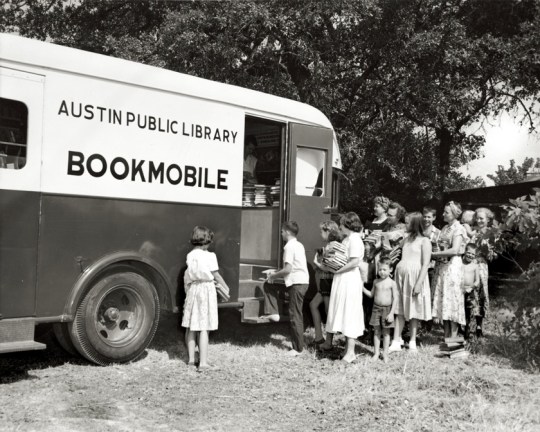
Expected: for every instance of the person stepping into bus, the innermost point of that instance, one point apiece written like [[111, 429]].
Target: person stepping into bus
[[296, 276]]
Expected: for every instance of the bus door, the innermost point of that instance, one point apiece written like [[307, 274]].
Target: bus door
[[21, 113], [310, 182]]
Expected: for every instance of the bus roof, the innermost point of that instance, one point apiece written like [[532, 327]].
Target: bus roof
[[35, 53]]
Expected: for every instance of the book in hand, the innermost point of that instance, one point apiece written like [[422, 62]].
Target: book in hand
[[222, 292]]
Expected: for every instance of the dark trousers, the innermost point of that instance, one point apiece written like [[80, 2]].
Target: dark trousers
[[296, 304]]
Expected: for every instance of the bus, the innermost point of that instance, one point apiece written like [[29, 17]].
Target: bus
[[106, 166]]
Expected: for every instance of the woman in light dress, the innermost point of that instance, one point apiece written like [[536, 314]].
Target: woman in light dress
[[449, 299], [345, 314], [412, 282]]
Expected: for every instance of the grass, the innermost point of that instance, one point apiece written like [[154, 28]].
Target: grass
[[256, 387]]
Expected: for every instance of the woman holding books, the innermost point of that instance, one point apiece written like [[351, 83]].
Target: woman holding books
[[345, 313], [448, 299]]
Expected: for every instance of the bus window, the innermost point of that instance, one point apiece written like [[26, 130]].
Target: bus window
[[13, 129], [310, 165]]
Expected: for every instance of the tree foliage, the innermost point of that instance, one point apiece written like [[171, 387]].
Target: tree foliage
[[514, 174], [401, 80]]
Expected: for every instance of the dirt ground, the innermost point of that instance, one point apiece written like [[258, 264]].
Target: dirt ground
[[254, 386]]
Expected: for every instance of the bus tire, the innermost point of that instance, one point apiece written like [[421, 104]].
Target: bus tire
[[63, 337], [116, 319]]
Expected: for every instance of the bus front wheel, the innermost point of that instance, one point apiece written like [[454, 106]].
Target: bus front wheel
[[116, 319]]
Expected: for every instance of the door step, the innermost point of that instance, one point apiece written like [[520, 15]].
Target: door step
[[253, 310], [18, 335]]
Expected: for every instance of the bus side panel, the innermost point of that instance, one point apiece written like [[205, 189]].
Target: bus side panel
[[18, 252], [77, 231]]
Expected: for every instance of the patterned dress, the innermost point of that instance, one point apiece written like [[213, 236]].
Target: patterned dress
[[200, 307], [448, 298], [407, 272]]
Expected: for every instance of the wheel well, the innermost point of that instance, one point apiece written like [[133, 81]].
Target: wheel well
[[144, 270]]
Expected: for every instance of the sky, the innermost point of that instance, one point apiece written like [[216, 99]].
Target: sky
[[505, 139]]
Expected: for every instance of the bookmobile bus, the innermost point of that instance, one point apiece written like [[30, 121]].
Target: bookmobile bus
[[107, 165]]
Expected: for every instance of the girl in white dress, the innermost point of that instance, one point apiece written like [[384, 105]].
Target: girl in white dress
[[200, 307], [412, 282], [345, 313]]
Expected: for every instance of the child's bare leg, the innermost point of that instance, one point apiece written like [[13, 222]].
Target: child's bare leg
[[326, 303], [203, 348], [386, 343], [399, 323], [349, 355], [413, 327], [316, 315], [377, 342], [191, 342]]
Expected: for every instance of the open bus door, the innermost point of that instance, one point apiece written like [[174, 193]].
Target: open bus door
[[21, 113], [310, 182]]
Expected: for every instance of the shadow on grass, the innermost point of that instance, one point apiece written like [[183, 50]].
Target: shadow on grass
[[18, 366]]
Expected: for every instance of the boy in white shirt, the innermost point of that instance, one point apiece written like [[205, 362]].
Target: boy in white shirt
[[296, 276]]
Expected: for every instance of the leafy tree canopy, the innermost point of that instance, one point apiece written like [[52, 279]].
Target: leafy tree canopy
[[401, 80], [514, 174]]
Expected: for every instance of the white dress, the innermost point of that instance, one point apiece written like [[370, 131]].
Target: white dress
[[200, 307], [407, 272], [345, 313]]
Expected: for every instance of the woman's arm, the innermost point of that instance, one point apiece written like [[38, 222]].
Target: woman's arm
[[426, 258], [351, 265], [452, 251]]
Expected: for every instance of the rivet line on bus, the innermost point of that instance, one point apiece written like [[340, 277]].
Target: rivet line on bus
[[145, 121]]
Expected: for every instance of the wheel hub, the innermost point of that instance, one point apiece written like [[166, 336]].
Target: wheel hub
[[112, 314]]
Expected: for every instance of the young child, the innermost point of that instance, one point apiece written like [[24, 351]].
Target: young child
[[385, 296], [471, 288], [329, 232], [296, 276], [368, 272], [467, 219], [200, 308]]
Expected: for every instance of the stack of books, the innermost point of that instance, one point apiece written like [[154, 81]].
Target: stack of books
[[275, 194], [261, 197], [248, 195], [335, 255], [454, 348]]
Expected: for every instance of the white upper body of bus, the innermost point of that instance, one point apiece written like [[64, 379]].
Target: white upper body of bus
[[103, 126]]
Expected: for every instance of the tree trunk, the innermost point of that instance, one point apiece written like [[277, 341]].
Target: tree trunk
[[445, 145]]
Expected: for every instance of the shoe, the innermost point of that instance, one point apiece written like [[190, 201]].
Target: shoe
[[318, 341], [204, 368], [412, 346], [395, 346], [401, 342], [479, 333], [192, 364], [293, 353], [272, 317]]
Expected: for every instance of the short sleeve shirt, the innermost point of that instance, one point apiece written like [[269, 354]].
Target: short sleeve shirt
[[355, 246], [295, 255], [201, 263]]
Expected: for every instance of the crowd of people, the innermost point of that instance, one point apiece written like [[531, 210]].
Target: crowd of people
[[398, 270]]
